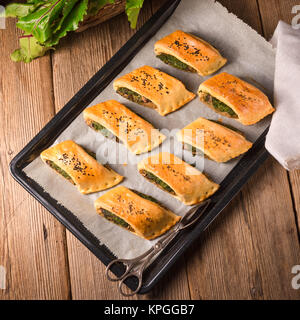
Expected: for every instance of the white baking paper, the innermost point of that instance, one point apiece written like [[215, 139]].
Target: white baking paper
[[249, 57]]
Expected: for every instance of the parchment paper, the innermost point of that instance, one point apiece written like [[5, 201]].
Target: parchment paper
[[249, 57]]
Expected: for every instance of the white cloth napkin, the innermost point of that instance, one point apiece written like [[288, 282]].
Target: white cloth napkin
[[283, 139]]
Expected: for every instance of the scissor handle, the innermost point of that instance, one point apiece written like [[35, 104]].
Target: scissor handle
[[135, 274], [140, 265], [138, 274], [125, 262], [129, 263]]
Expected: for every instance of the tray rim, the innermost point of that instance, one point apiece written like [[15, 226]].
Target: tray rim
[[230, 186]]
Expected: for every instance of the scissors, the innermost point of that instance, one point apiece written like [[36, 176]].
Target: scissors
[[135, 267]]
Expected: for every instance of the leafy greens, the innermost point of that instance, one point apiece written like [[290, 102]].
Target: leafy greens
[[45, 22]]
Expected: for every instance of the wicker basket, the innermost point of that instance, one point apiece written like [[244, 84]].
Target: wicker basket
[[107, 12]]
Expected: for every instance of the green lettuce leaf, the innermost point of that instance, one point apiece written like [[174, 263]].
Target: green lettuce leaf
[[36, 1], [96, 5], [70, 23], [29, 49], [133, 8], [19, 10], [39, 22], [45, 22], [67, 8]]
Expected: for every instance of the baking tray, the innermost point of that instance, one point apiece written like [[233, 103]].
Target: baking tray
[[230, 186]]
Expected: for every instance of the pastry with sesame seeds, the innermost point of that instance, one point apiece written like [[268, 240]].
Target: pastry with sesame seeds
[[153, 88], [79, 167], [189, 53], [218, 142], [135, 212], [178, 178], [114, 120], [234, 98]]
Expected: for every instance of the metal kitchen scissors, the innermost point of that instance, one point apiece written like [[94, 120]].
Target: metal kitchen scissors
[[135, 267]]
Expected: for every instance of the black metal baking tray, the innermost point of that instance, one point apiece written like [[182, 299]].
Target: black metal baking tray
[[229, 187]]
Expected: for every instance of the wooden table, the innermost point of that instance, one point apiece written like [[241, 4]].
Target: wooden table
[[247, 253]]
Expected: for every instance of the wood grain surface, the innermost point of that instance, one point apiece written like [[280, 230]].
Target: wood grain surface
[[247, 253], [32, 244]]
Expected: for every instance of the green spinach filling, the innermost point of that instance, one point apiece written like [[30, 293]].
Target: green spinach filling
[[193, 150], [218, 105], [98, 127], [222, 107], [157, 181], [115, 219], [59, 170], [89, 152], [133, 96], [174, 62], [145, 196]]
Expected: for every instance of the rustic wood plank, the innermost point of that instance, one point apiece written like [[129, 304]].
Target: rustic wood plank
[[295, 189], [89, 282], [174, 285], [32, 242], [249, 251], [77, 59], [274, 10]]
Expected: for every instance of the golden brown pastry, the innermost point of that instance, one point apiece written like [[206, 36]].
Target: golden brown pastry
[[114, 120], [187, 52], [217, 141], [136, 212], [235, 98], [153, 88], [177, 177], [79, 167]]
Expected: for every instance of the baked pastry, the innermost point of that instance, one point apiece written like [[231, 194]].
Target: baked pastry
[[235, 98], [153, 88], [215, 140], [114, 120], [177, 177], [80, 167], [136, 212], [187, 52]]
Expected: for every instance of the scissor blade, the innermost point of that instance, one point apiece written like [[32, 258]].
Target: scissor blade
[[190, 214]]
